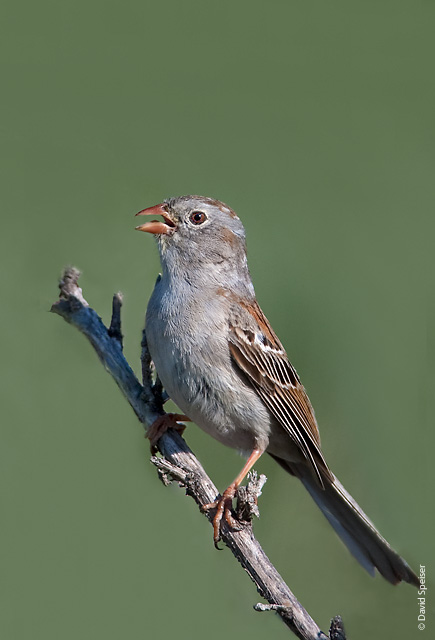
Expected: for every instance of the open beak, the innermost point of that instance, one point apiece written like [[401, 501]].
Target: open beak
[[157, 226]]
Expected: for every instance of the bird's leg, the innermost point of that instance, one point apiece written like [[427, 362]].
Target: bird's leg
[[224, 503], [162, 424]]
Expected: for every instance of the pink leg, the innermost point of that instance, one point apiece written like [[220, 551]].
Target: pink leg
[[224, 503]]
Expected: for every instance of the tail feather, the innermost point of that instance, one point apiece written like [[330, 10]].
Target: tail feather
[[353, 526]]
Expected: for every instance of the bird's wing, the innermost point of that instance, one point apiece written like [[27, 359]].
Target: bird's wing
[[256, 350]]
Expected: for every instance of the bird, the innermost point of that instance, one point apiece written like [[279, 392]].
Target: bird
[[222, 364]]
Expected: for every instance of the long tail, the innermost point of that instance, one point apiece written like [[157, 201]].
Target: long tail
[[353, 526]]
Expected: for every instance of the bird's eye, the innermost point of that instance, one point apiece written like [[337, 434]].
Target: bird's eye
[[197, 217]]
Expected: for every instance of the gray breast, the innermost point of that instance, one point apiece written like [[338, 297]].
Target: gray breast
[[189, 346]]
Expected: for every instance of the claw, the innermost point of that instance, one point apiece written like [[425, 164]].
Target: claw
[[162, 424], [223, 506]]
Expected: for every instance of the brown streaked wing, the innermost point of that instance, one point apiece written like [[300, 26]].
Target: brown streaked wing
[[262, 358]]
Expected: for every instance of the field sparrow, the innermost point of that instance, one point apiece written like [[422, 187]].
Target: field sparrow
[[222, 364]]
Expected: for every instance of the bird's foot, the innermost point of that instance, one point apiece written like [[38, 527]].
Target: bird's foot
[[162, 424], [223, 506]]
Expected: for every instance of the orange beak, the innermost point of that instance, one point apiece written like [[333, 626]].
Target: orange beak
[[156, 226]]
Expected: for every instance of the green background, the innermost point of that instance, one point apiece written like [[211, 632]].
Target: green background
[[315, 122]]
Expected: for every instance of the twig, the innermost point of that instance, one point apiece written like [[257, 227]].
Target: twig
[[179, 462], [336, 630], [114, 330]]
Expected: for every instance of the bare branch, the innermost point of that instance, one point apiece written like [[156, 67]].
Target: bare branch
[[178, 461]]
